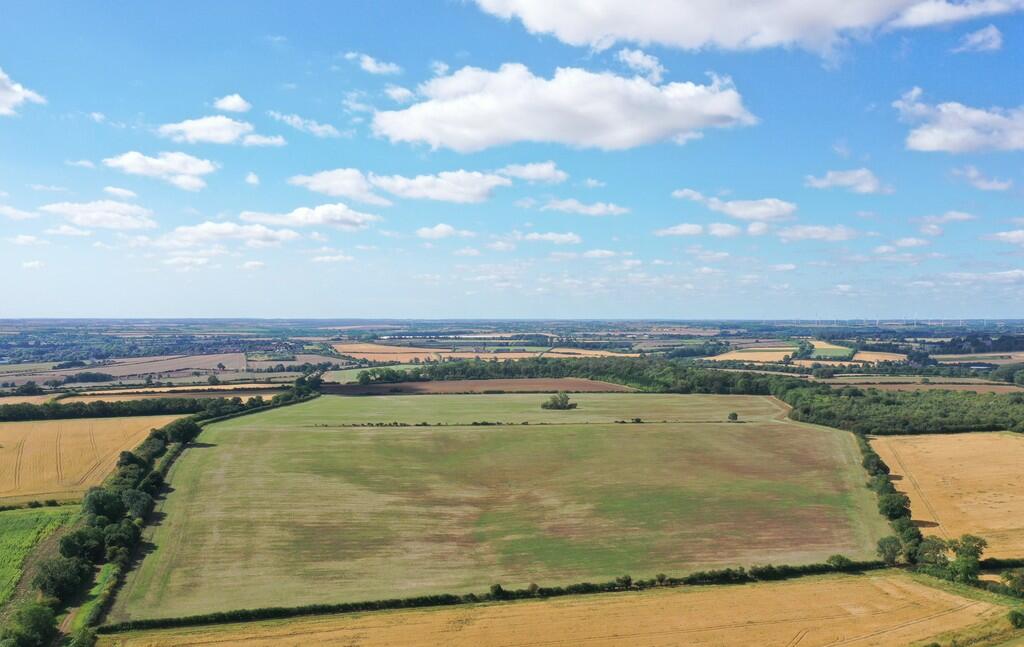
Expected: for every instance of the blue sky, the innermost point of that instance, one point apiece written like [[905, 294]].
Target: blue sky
[[513, 158]]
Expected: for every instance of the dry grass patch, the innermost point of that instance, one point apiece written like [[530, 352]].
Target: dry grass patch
[[61, 459], [963, 483], [882, 610]]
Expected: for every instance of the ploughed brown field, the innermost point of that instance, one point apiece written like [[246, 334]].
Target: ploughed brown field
[[887, 610], [61, 459], [962, 483], [528, 385]]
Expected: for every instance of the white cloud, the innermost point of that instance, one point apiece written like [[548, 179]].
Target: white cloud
[[763, 210], [467, 251], [1015, 237], [103, 214], [252, 178], [758, 228], [575, 206], [210, 232], [1008, 277], [27, 240], [910, 242], [81, 163], [644, 64], [185, 263], [442, 230], [986, 39], [474, 109], [398, 94], [462, 187], [32, 265], [536, 172], [343, 182], [16, 214], [742, 25], [97, 117], [306, 125], [48, 188], [180, 169], [978, 180], [591, 183], [372, 65], [337, 215], [232, 103], [724, 230], [216, 129], [118, 192], [67, 230], [859, 180], [684, 229], [599, 253], [332, 258], [264, 140], [782, 267], [501, 246], [834, 233], [955, 128], [14, 94], [932, 225], [567, 238]]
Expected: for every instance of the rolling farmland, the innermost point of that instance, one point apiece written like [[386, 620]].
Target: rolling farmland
[[881, 610], [61, 459], [298, 503]]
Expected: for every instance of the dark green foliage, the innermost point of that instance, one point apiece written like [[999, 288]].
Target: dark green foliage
[[894, 506], [33, 625], [103, 502], [138, 504], [839, 562], [558, 401], [1014, 580], [85, 543], [1016, 618], [889, 550], [61, 577]]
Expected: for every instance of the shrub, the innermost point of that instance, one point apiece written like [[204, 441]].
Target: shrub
[[893, 506], [61, 577], [33, 625], [889, 549], [559, 401], [839, 562], [1017, 618]]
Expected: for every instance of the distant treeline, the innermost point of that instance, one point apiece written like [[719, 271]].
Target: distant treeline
[[865, 411], [975, 344]]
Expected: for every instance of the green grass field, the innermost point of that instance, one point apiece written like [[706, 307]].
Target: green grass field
[[288, 506], [347, 375], [20, 531]]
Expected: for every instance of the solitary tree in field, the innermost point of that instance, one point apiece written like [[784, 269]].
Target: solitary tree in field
[[889, 550], [733, 417], [558, 401]]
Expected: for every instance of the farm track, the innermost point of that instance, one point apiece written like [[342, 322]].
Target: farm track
[[57, 458]]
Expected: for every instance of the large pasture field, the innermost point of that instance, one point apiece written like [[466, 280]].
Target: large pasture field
[[298, 504], [963, 483], [61, 459], [881, 610]]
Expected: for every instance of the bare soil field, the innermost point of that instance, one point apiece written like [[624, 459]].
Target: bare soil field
[[61, 459], [887, 609], [962, 483], [528, 385]]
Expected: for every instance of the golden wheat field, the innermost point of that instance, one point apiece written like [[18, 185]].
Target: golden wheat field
[[61, 459], [962, 483], [887, 610]]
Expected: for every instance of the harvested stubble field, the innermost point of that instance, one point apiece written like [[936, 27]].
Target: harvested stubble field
[[756, 355], [294, 505], [883, 610], [136, 366], [963, 483], [983, 358], [386, 353], [61, 459], [20, 531], [245, 394], [526, 385]]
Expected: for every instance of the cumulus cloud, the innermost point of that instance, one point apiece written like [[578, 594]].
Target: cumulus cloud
[[932, 225], [81, 163], [986, 39], [250, 266], [232, 103], [216, 129], [724, 230], [398, 94], [305, 125], [252, 179], [336, 215], [372, 65], [684, 229], [573, 205], [341, 182], [591, 183], [644, 64], [14, 94], [467, 251], [180, 169], [332, 258], [210, 232], [461, 187], [536, 172], [1015, 237], [826, 233], [743, 25], [103, 214], [955, 128], [67, 230], [567, 238], [1007, 277], [782, 267], [16, 214], [978, 180], [442, 230], [118, 192], [763, 210], [474, 109], [27, 240], [859, 180]]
